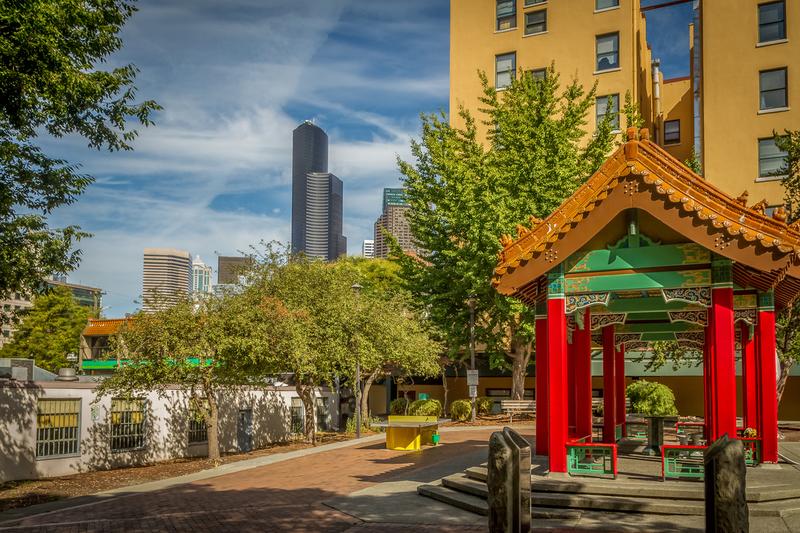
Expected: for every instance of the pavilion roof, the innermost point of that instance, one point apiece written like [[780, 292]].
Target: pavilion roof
[[98, 327], [640, 174]]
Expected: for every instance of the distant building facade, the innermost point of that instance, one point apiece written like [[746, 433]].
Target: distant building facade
[[317, 196], [393, 221], [167, 277], [368, 248], [229, 268], [201, 276]]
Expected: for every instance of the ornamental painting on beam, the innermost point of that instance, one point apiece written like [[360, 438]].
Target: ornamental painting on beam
[[579, 301], [693, 317], [600, 320], [625, 338], [695, 295], [745, 315]]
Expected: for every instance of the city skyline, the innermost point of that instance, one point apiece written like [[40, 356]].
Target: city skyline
[[214, 173]]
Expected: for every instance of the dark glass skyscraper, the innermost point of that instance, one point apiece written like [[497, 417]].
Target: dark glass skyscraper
[[316, 196]]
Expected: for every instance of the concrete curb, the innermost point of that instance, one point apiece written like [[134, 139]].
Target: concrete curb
[[121, 492]]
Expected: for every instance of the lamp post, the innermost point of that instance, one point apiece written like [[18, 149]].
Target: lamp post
[[471, 305], [357, 389]]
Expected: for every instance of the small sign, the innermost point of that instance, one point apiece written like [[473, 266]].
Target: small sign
[[472, 378], [71, 357], [473, 391]]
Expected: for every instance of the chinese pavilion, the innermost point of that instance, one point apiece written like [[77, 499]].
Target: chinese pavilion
[[647, 250]]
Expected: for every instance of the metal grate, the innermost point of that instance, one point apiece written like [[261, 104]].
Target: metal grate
[[127, 424], [57, 427], [198, 431]]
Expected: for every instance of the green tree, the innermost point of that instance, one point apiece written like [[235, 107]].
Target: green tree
[[633, 117], [50, 83], [693, 163], [49, 330], [197, 346], [649, 398], [464, 195]]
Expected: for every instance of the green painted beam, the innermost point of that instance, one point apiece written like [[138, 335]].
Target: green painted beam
[[660, 336], [669, 255], [657, 327], [646, 305], [638, 281]]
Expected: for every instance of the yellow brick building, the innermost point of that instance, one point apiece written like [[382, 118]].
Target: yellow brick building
[[745, 71]]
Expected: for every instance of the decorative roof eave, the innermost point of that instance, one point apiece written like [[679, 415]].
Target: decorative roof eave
[[643, 163]]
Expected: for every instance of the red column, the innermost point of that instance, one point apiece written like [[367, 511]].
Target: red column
[[723, 359], [583, 378], [619, 377], [557, 371], [609, 385], [542, 409], [766, 362], [571, 355], [749, 403]]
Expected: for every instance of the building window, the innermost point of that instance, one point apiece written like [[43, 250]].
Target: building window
[[57, 427], [608, 51], [771, 160], [773, 88], [505, 66], [298, 416], [602, 106], [600, 5], [323, 414], [506, 14], [672, 132], [529, 3], [536, 22], [771, 22], [538, 73], [198, 431], [127, 424]]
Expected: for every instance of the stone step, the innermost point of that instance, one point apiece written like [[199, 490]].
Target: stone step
[[781, 508], [616, 503], [468, 502], [462, 483], [479, 473]]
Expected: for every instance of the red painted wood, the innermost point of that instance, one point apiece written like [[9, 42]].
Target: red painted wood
[[609, 385], [706, 381], [557, 384], [767, 387], [749, 387], [724, 362], [571, 356], [619, 377], [583, 378], [542, 409]]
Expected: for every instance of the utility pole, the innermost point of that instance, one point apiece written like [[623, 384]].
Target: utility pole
[[473, 396]]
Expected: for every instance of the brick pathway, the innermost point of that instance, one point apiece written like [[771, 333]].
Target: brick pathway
[[285, 496]]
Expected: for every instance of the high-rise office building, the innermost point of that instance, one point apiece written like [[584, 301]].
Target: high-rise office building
[[316, 196], [368, 248], [167, 277], [229, 268], [737, 93], [201, 276], [394, 222]]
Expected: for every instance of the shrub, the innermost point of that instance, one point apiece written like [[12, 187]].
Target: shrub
[[484, 405], [365, 424], [650, 398], [398, 406], [461, 410], [425, 408]]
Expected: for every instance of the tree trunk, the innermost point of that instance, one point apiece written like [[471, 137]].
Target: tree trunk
[[365, 395], [520, 355], [444, 386], [306, 393], [212, 424], [783, 377]]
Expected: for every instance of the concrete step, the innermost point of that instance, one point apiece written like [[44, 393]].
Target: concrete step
[[462, 483], [479, 473], [468, 502], [781, 508], [616, 503], [656, 489]]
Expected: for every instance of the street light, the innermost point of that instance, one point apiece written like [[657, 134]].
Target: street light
[[357, 389], [471, 304]]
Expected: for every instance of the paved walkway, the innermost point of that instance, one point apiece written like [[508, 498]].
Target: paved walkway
[[282, 496]]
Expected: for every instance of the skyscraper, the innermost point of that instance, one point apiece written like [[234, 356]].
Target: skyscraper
[[393, 221], [368, 248], [316, 196], [167, 277], [229, 268], [201, 276]]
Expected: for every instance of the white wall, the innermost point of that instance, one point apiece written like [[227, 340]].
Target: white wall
[[167, 422]]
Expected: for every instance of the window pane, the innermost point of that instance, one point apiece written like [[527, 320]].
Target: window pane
[[534, 2], [771, 159], [57, 427], [672, 131], [605, 4], [505, 8], [607, 52], [601, 106], [505, 68], [539, 73], [773, 89], [536, 22]]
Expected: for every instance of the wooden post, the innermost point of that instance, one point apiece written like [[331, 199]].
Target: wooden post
[[619, 377], [767, 390], [542, 409], [557, 370], [609, 385], [749, 387], [583, 378], [571, 398], [723, 349]]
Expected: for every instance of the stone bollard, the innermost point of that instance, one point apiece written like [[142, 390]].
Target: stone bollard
[[725, 487], [509, 482]]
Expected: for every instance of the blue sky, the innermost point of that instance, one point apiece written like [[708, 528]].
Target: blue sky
[[235, 78]]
